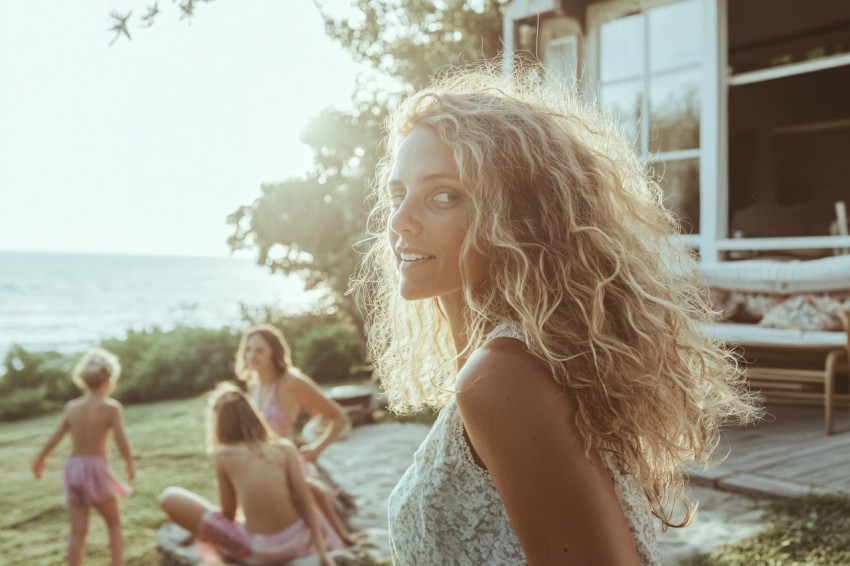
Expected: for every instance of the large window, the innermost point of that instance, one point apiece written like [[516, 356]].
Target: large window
[[789, 123], [649, 77]]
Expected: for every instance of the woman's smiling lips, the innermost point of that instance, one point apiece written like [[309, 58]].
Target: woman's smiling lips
[[411, 258]]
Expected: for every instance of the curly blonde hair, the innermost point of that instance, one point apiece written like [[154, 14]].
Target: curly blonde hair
[[581, 256]]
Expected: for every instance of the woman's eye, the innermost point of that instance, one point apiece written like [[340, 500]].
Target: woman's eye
[[445, 197], [396, 199]]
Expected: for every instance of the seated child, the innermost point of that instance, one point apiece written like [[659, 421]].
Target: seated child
[[89, 480], [264, 478]]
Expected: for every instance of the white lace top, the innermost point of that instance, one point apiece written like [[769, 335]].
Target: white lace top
[[446, 510]]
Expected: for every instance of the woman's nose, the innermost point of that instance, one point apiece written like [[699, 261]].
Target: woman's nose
[[405, 218]]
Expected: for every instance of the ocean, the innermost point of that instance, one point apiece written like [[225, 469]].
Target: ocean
[[68, 302]]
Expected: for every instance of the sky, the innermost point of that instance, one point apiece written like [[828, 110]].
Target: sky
[[145, 146]]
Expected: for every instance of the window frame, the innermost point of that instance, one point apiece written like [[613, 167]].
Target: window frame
[[601, 13]]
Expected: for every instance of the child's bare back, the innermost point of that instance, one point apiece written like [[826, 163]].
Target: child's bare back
[[260, 474], [89, 480], [90, 418]]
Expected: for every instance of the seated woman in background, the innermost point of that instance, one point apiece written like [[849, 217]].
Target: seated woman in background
[[263, 476], [280, 392]]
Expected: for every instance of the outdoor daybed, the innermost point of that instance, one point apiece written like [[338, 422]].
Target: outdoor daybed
[[791, 321]]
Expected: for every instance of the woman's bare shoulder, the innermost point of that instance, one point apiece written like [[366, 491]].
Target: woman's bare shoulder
[[300, 379], [504, 377], [303, 386], [505, 365]]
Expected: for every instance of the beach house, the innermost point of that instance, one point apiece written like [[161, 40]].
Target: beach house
[[742, 107]]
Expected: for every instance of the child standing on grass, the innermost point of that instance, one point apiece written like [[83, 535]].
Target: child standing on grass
[[264, 478], [89, 479]]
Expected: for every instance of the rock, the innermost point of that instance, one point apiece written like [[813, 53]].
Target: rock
[[178, 547]]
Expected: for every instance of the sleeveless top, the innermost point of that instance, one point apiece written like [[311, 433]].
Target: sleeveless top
[[272, 412], [445, 509]]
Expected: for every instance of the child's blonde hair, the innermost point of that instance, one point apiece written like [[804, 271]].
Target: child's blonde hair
[[96, 367], [231, 418], [581, 257]]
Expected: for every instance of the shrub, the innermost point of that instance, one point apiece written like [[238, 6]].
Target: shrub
[[183, 362], [172, 364], [35, 382], [327, 352]]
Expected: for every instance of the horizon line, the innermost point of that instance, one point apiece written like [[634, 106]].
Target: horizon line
[[229, 255]]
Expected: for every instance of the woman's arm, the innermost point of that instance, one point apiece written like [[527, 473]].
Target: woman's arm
[[52, 442], [303, 501], [313, 400], [521, 425], [121, 440]]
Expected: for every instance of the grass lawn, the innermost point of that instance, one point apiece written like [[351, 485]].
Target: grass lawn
[[169, 443], [811, 530], [168, 440]]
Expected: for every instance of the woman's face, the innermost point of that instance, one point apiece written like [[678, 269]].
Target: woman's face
[[258, 354], [430, 217]]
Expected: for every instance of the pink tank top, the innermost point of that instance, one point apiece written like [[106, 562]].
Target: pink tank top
[[274, 414]]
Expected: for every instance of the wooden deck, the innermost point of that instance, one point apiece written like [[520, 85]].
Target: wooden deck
[[786, 455]]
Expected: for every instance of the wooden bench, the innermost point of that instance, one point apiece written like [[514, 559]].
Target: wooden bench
[[355, 400], [788, 365]]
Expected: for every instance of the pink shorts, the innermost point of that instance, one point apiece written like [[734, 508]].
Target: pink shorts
[[90, 480], [233, 541]]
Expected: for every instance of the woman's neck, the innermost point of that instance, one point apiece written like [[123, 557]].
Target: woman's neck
[[267, 376], [453, 306]]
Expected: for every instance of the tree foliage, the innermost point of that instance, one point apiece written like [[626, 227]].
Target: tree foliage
[[319, 222], [159, 364], [315, 225], [410, 39]]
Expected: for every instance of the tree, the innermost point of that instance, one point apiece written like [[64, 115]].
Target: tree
[[316, 225], [411, 39], [319, 221]]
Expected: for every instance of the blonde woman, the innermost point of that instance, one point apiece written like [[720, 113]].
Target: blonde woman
[[527, 287]]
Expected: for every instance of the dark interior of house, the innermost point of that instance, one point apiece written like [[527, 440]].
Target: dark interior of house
[[789, 137]]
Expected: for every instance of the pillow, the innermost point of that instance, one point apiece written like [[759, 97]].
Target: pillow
[[756, 305], [832, 304], [807, 312]]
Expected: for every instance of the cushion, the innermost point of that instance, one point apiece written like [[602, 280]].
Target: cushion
[[755, 335], [782, 277], [807, 312], [755, 305]]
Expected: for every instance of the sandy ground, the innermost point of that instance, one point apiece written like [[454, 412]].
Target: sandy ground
[[370, 461]]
